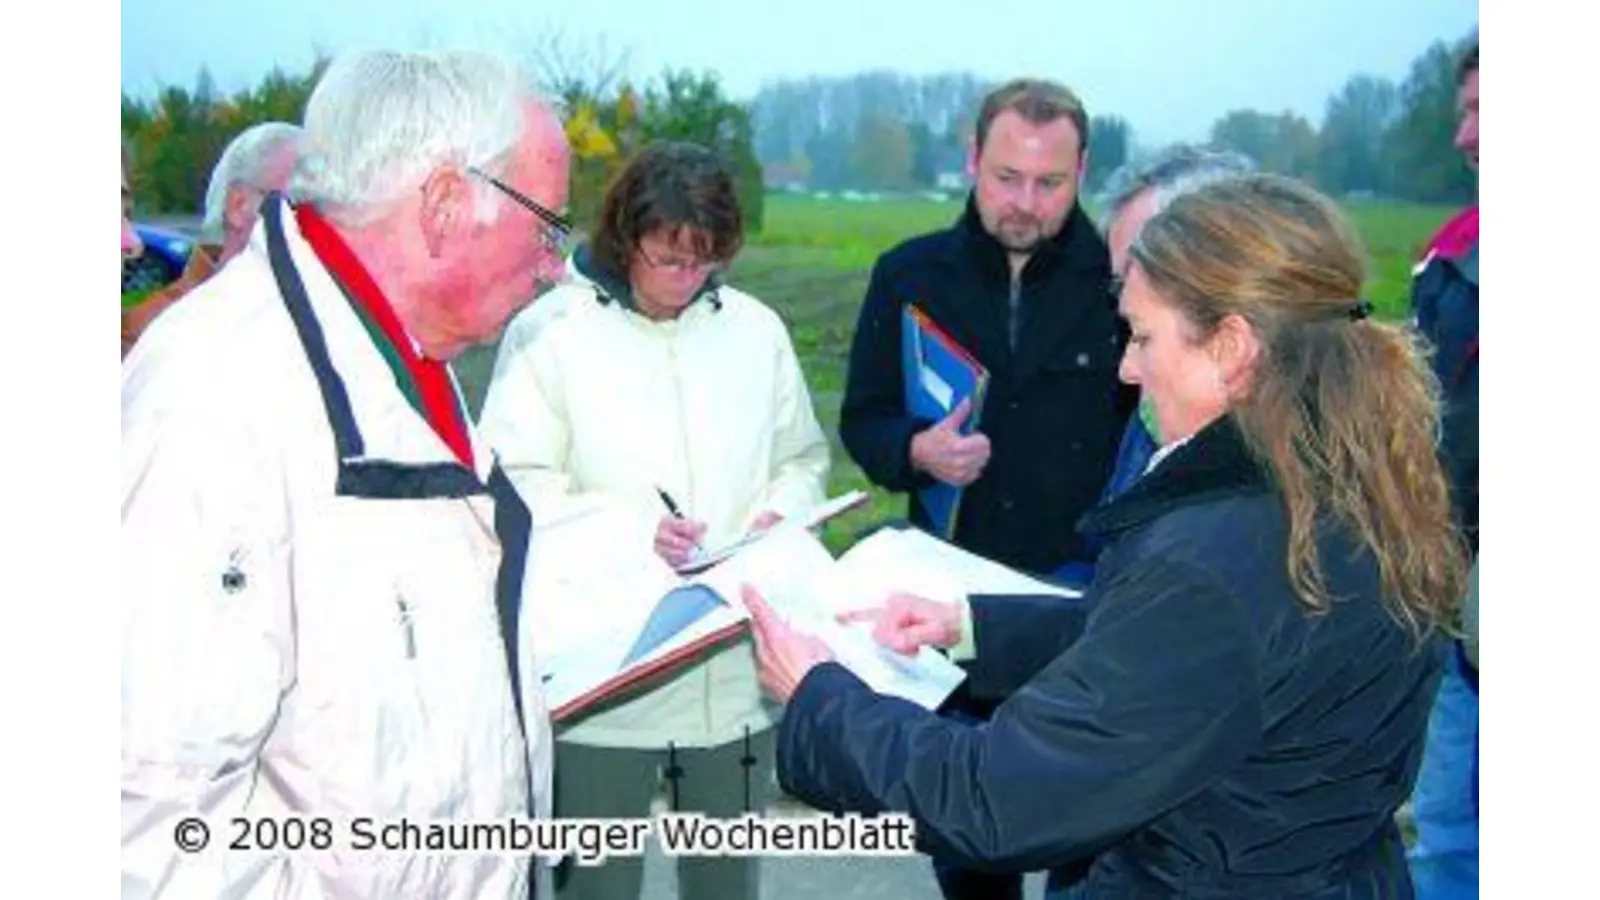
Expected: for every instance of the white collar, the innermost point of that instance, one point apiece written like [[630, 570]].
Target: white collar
[[1163, 452]]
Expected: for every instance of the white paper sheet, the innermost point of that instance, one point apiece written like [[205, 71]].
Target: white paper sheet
[[938, 388], [589, 577], [904, 557]]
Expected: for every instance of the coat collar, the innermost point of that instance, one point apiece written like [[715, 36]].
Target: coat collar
[[371, 417], [1215, 463], [610, 287], [1075, 261], [1077, 244]]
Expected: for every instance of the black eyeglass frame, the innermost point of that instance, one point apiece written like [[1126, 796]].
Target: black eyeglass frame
[[561, 225]]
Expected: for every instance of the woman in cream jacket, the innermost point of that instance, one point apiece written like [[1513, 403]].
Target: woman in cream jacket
[[644, 375]]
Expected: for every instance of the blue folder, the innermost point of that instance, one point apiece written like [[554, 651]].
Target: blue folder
[[938, 374], [679, 609]]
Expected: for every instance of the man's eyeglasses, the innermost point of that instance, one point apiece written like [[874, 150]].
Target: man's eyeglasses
[[557, 227]]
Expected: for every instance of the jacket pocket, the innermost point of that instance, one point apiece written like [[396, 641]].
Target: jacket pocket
[[1080, 388]]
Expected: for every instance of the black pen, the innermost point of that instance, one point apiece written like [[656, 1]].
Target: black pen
[[671, 507]]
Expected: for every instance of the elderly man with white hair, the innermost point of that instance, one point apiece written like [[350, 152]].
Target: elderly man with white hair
[[257, 162], [321, 560], [1134, 193]]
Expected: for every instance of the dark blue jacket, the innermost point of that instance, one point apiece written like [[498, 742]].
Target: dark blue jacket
[[1055, 408], [1188, 731]]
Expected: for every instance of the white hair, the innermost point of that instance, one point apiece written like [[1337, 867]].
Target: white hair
[[378, 123], [243, 161], [1171, 173]]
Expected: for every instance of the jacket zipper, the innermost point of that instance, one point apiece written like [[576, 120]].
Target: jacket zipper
[[1014, 322], [688, 466], [407, 627], [683, 416]]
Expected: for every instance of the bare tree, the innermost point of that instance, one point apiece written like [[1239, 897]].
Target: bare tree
[[574, 68]]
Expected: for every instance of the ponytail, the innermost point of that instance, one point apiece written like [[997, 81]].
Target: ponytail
[[1346, 415]]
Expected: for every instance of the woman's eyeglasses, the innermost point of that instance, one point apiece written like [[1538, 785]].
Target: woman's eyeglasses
[[677, 266]]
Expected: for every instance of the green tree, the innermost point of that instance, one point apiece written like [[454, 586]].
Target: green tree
[[1418, 148], [1294, 146], [1350, 152], [689, 106], [1285, 143], [178, 136], [1246, 131], [924, 154], [1109, 138], [883, 156]]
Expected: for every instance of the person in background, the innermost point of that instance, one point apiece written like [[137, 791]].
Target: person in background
[[132, 247], [1134, 193], [257, 162], [1445, 303], [322, 564], [656, 377], [1021, 281], [1243, 712]]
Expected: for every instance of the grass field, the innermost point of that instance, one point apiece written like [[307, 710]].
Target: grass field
[[812, 261]]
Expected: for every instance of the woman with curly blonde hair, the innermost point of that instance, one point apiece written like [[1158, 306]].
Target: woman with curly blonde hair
[[1244, 710]]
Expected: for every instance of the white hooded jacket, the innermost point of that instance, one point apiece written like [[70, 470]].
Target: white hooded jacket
[[313, 601]]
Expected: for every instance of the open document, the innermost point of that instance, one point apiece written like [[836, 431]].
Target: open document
[[606, 618], [803, 583]]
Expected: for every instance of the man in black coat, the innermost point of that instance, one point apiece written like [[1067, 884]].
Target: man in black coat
[[1021, 281]]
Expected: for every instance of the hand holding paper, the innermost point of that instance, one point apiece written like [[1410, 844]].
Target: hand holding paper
[[783, 655], [802, 591]]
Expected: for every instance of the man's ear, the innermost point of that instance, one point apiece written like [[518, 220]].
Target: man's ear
[[1236, 350], [446, 208], [240, 207], [1083, 166], [972, 158]]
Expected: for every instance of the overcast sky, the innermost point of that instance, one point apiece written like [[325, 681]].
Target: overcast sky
[[1171, 67]]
